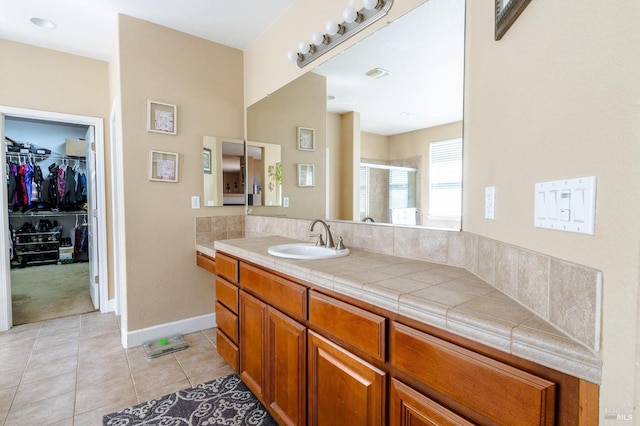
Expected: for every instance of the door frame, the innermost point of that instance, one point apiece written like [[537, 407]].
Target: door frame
[[6, 320]]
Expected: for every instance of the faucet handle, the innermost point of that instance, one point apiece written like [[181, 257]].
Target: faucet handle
[[319, 241], [340, 245]]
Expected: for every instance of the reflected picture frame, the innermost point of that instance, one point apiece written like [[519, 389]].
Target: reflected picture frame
[[206, 160], [163, 166], [162, 118], [306, 175], [507, 11], [306, 139]]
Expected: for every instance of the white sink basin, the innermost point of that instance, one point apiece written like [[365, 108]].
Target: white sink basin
[[307, 251]]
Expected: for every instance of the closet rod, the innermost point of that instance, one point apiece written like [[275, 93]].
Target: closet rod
[[42, 157]]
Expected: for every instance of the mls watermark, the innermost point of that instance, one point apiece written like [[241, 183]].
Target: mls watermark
[[618, 414]]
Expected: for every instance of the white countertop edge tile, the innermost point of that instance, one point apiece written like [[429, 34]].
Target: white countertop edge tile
[[589, 372], [206, 249]]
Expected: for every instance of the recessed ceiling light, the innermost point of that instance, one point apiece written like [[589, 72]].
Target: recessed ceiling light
[[377, 73], [43, 23]]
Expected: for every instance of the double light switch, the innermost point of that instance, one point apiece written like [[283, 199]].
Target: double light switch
[[566, 205]]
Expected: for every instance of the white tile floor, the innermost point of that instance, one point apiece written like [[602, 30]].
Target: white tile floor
[[72, 371]]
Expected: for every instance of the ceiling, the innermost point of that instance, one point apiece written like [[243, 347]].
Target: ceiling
[[88, 27]]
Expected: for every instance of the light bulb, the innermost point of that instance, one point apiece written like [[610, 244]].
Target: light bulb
[[303, 47], [349, 15], [370, 4], [332, 28], [317, 38], [292, 56]]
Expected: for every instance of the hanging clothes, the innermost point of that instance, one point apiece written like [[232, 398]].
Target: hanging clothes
[[12, 169], [28, 183], [38, 178], [61, 182], [69, 197]]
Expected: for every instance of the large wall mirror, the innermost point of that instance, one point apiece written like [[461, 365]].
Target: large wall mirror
[[387, 121]]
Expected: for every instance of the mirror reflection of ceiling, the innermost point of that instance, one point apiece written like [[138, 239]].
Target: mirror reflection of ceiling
[[423, 52]]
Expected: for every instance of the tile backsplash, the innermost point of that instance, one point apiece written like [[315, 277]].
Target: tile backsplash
[[212, 228], [567, 295]]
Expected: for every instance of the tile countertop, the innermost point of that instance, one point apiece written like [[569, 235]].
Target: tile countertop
[[446, 297]]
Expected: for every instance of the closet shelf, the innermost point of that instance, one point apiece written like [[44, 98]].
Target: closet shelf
[[48, 213]]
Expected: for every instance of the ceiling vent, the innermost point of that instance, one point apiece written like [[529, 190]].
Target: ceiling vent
[[377, 73]]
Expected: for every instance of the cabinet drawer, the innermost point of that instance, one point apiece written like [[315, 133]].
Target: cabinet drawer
[[497, 392], [206, 262], [227, 350], [227, 267], [227, 322], [352, 325], [282, 294], [407, 407], [227, 294]]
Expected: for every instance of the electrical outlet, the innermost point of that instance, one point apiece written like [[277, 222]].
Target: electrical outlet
[[285, 201], [195, 202]]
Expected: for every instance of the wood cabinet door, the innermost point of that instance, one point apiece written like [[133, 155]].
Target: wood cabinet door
[[343, 389], [286, 368], [407, 407], [253, 349]]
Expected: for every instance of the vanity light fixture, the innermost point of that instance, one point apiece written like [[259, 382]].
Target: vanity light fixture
[[335, 33]]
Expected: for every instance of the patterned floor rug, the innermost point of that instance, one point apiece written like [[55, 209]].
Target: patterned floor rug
[[223, 401]]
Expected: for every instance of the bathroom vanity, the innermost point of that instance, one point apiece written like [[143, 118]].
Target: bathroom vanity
[[319, 342]]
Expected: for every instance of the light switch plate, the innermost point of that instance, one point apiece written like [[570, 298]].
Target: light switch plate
[[285, 201], [566, 205], [195, 202], [490, 202]]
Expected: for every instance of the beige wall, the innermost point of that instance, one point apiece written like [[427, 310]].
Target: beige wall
[[374, 147], [204, 80], [43, 79], [555, 98]]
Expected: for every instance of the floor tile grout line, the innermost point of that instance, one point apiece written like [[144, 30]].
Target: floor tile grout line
[[24, 370]]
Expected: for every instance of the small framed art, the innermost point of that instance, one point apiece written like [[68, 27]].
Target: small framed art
[[163, 166], [306, 175], [206, 160], [162, 118], [306, 139]]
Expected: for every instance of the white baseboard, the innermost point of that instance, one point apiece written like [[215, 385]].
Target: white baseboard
[[185, 326]]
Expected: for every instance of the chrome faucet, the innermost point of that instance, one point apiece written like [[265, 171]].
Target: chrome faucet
[[327, 233], [368, 219]]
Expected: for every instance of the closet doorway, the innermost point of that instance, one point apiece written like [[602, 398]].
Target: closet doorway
[[54, 199]]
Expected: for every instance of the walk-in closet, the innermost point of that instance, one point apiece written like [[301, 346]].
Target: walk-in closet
[[47, 186]]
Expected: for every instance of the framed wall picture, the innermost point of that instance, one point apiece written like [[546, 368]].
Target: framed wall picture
[[306, 175], [163, 166], [306, 139], [206, 160], [162, 118]]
